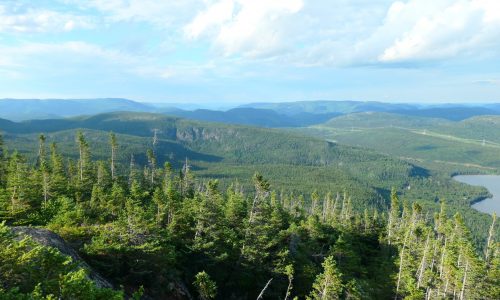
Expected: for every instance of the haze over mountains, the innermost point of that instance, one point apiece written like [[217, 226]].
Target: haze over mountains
[[284, 114]]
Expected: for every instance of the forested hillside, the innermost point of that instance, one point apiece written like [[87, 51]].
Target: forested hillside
[[156, 231], [208, 146], [452, 111], [293, 162], [471, 142], [255, 117]]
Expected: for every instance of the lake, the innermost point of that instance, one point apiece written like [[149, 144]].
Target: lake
[[492, 183]]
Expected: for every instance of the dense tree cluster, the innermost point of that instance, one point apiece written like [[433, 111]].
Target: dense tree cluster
[[163, 233], [31, 271]]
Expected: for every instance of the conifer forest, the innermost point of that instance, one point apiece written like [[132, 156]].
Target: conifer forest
[[152, 231]]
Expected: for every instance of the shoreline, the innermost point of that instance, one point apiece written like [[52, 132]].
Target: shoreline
[[480, 198]]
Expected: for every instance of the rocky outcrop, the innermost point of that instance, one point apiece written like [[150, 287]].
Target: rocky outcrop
[[48, 238]]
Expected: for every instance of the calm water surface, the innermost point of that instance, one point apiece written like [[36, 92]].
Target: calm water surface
[[492, 183]]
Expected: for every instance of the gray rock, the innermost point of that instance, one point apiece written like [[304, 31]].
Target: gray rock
[[48, 238]]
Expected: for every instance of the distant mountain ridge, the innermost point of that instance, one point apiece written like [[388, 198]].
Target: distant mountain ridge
[[40, 109], [26, 109], [326, 106], [283, 114], [255, 116], [453, 112]]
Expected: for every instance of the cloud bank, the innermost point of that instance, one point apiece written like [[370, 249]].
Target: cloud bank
[[289, 41]]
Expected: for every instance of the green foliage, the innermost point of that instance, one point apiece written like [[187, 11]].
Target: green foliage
[[328, 285], [207, 289], [443, 148], [31, 271], [161, 231]]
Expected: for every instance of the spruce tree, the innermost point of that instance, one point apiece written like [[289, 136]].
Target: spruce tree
[[85, 172], [159, 200], [152, 165], [206, 287], [43, 169], [18, 186], [58, 177], [393, 216], [328, 285]]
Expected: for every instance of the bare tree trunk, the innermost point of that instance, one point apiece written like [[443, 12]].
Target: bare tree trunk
[[45, 188], [443, 254], [112, 162], [313, 206], [462, 293], [428, 294], [434, 254], [389, 231], [334, 210], [289, 288], [326, 207], [324, 293], [401, 260], [490, 237], [422, 263], [264, 289], [81, 164], [342, 210], [250, 218], [13, 198], [446, 287]]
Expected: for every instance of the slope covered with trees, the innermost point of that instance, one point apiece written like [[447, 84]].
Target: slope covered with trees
[[293, 162], [217, 150], [472, 142], [158, 231]]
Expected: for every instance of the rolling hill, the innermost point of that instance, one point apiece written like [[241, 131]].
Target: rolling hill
[[31, 109], [453, 112], [209, 143], [292, 161], [255, 117], [325, 106], [471, 142]]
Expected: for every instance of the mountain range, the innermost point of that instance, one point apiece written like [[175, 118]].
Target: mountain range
[[285, 114]]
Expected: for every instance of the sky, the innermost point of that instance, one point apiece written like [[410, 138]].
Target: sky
[[237, 51]]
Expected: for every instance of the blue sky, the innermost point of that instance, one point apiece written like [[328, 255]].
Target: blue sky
[[236, 51]]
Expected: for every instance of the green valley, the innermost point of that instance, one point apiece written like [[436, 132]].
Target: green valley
[[293, 162], [471, 143], [144, 227]]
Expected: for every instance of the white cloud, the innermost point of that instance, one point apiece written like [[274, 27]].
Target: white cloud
[[163, 13], [395, 32], [67, 58], [288, 32], [76, 59], [214, 15], [441, 29], [40, 20], [249, 28]]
